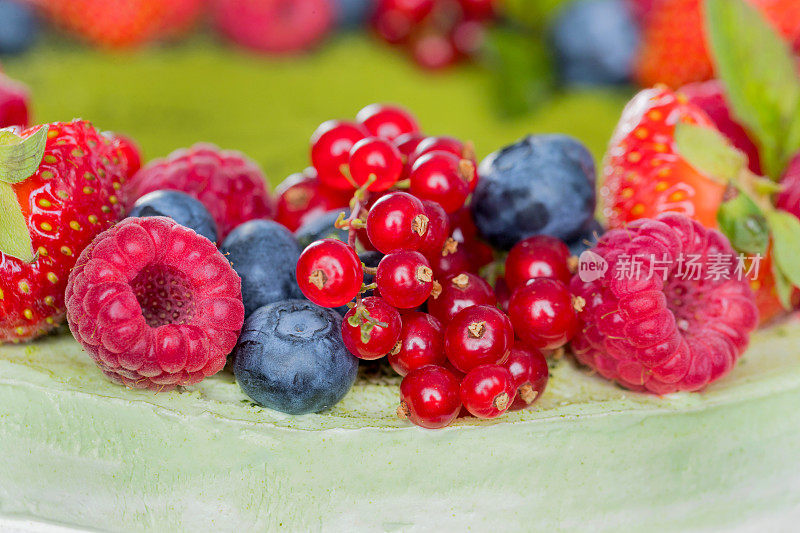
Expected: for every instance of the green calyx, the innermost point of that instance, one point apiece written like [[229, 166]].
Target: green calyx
[[19, 160]]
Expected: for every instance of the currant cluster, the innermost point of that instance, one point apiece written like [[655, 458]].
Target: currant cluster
[[425, 306], [437, 33]]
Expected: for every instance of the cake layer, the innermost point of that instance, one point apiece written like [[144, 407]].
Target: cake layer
[[79, 450]]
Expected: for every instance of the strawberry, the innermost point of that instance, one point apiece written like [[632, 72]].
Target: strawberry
[[50, 213], [644, 173], [674, 49]]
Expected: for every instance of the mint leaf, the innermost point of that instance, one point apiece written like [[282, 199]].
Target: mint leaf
[[710, 152], [19, 158], [15, 239], [744, 224], [785, 243], [760, 78]]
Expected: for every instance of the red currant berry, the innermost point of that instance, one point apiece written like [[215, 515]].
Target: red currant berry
[[543, 314], [386, 121], [443, 178], [487, 391], [372, 329], [529, 369], [438, 144], [430, 397], [330, 151], [397, 221], [468, 37], [463, 225], [405, 279], [408, 142], [302, 197], [478, 9], [503, 293], [433, 51], [478, 335], [540, 256], [329, 273], [438, 229], [420, 343], [460, 292], [377, 160], [480, 254], [452, 261]]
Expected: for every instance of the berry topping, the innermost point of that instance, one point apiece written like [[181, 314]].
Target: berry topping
[[530, 372], [421, 343], [459, 292], [330, 152], [405, 279], [543, 314], [63, 194], [290, 357], [540, 256], [386, 121], [430, 397], [154, 304], [371, 330], [218, 178], [329, 273], [264, 254], [376, 163], [181, 208], [487, 391], [676, 330], [442, 178], [397, 222], [543, 184], [478, 335]]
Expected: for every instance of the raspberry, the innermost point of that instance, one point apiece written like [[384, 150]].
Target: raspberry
[[218, 178], [154, 304], [664, 335]]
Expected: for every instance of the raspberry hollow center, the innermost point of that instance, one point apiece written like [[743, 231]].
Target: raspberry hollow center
[[165, 296]]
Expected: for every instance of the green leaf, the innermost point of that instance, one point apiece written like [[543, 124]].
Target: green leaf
[[19, 158], [783, 288], [744, 224], [710, 152], [786, 243], [760, 77], [15, 239]]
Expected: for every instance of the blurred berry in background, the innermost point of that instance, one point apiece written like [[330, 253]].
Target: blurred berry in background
[[595, 42], [352, 14], [19, 27]]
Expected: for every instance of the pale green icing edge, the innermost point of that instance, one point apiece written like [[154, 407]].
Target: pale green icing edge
[[82, 451]]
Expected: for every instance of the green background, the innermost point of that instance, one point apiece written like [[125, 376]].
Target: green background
[[201, 90]]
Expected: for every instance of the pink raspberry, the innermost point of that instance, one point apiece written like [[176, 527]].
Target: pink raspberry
[[154, 304], [667, 332], [229, 184]]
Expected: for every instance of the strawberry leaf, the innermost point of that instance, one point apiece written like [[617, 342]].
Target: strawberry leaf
[[786, 245], [744, 224], [760, 77], [19, 158], [15, 239], [710, 152]]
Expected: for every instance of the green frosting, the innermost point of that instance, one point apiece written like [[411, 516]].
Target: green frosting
[[83, 451]]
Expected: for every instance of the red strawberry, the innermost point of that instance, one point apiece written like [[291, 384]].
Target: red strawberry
[[14, 101], [674, 49], [69, 199], [645, 175]]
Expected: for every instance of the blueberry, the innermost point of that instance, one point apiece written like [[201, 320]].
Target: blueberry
[[543, 184], [595, 42], [181, 208], [370, 259], [321, 227], [19, 27], [264, 254], [290, 357], [587, 239], [353, 13]]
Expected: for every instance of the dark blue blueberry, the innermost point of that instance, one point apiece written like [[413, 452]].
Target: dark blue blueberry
[[353, 13], [543, 184], [370, 259], [587, 239], [264, 254], [290, 357], [595, 42], [19, 27], [321, 227], [181, 208]]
